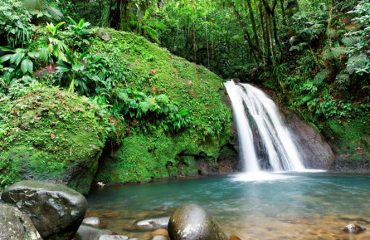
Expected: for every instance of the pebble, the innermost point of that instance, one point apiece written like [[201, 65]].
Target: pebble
[[93, 221], [159, 238], [153, 224], [113, 237], [353, 228]]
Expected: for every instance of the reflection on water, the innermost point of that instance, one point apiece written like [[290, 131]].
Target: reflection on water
[[307, 206]]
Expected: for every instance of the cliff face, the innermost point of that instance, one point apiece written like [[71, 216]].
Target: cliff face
[[314, 149]]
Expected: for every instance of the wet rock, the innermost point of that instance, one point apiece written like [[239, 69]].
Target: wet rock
[[193, 222], [354, 229], [314, 149], [92, 221], [90, 233], [113, 237], [55, 210], [15, 225], [153, 224], [159, 238]]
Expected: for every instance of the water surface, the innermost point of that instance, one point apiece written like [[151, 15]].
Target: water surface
[[305, 206]]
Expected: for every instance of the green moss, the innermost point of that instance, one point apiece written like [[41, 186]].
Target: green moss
[[351, 139], [151, 69], [50, 135], [146, 157]]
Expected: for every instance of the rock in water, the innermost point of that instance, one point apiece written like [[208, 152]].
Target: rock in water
[[191, 222], [56, 210], [93, 221], [15, 225], [113, 237], [353, 228], [153, 224], [91, 233]]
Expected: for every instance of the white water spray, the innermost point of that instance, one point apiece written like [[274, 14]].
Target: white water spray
[[252, 107]]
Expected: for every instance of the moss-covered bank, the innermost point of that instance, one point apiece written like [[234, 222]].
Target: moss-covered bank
[[157, 153], [49, 134]]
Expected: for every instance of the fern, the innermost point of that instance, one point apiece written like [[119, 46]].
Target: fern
[[358, 64]]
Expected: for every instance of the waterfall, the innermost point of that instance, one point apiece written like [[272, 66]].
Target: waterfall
[[259, 125]]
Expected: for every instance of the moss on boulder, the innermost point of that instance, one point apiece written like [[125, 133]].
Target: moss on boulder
[[49, 134], [350, 140], [148, 68]]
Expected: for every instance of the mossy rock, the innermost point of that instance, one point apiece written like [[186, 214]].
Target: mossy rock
[[350, 139], [148, 68], [49, 134]]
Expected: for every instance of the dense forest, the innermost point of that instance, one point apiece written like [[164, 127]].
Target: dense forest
[[314, 55]]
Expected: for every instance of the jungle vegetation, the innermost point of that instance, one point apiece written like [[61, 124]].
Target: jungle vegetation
[[314, 54]]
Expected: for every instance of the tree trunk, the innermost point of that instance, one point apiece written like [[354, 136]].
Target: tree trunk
[[283, 12], [246, 35], [251, 15]]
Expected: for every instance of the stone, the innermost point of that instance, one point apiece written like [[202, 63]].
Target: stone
[[90, 233], [314, 149], [153, 224], [113, 237], [160, 232], [193, 222], [104, 35], [160, 238], [55, 210], [353, 228], [15, 225], [93, 221]]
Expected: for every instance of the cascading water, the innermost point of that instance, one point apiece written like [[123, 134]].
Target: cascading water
[[257, 117]]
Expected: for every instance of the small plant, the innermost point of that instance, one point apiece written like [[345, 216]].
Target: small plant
[[72, 67], [81, 28], [54, 29], [19, 60]]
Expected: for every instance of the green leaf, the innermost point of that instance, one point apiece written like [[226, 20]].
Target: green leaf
[[27, 66], [59, 25], [44, 54], [5, 58]]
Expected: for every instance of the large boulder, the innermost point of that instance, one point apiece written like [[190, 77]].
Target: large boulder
[[15, 225], [56, 210], [193, 222], [50, 134], [314, 149]]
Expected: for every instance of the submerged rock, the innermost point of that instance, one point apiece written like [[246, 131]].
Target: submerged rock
[[234, 237], [85, 232], [160, 232], [113, 237], [15, 225], [193, 222], [55, 210], [354, 229], [159, 238], [93, 221], [153, 224]]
